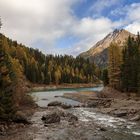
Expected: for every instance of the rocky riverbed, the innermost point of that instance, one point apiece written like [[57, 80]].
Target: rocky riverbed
[[56, 123], [62, 124], [110, 102], [97, 117]]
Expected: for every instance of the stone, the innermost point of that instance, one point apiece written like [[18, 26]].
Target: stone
[[72, 118], [65, 106], [54, 103], [21, 118], [76, 106], [120, 113], [135, 118], [62, 105], [103, 129], [51, 118], [92, 104]]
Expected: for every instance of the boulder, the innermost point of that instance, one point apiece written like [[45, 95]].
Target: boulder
[[62, 105], [71, 117], [76, 106], [92, 104], [103, 129], [51, 118], [65, 106], [54, 103], [21, 118], [120, 113], [135, 118]]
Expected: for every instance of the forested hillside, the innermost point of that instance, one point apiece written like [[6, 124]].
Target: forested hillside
[[48, 69]]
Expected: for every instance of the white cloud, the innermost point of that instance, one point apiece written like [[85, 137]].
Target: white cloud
[[133, 18], [31, 20], [133, 12], [89, 26], [90, 30], [100, 5], [46, 21], [134, 27]]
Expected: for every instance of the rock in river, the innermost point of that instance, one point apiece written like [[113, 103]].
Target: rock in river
[[62, 105], [72, 118], [65, 106], [54, 103], [51, 118], [120, 113], [135, 118]]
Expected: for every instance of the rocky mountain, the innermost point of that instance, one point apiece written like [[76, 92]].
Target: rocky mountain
[[99, 52]]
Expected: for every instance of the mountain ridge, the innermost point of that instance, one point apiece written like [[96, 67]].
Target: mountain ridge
[[98, 52]]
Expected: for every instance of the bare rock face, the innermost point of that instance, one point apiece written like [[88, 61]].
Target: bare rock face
[[99, 52]]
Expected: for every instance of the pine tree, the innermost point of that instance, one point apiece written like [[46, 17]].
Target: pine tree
[[130, 66], [115, 61], [7, 108], [105, 77]]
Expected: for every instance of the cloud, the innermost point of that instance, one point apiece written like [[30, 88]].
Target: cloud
[[129, 17], [100, 5], [90, 31], [134, 27], [89, 26], [132, 18], [133, 12], [41, 23], [31, 20]]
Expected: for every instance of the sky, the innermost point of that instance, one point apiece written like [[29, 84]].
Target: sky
[[66, 26]]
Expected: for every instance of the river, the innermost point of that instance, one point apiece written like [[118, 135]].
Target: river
[[117, 128], [44, 97]]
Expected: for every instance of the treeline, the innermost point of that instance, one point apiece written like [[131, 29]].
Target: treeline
[[49, 69], [123, 72]]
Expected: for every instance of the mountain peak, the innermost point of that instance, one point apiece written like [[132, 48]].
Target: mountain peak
[[118, 35], [118, 32]]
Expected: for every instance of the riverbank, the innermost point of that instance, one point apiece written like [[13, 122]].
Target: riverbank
[[67, 128], [59, 120], [110, 101], [38, 87]]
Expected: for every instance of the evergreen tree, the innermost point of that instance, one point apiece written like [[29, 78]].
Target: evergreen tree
[[130, 66], [105, 77], [115, 61], [7, 108]]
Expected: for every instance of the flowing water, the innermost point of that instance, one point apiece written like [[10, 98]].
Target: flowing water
[[117, 128], [44, 97]]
